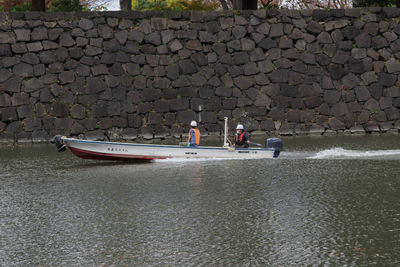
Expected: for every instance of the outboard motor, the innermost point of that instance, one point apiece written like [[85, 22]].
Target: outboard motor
[[59, 143], [274, 143]]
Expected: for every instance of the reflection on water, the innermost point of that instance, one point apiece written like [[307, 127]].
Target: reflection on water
[[332, 201]]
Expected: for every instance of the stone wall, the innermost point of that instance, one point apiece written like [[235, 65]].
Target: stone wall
[[147, 75]]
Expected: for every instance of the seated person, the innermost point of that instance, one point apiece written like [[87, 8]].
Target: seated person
[[241, 137]]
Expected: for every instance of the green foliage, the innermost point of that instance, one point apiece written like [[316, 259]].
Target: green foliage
[[197, 5], [21, 8], [180, 5], [368, 3], [143, 5], [67, 6]]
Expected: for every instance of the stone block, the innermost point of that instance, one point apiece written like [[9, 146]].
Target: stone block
[[96, 135], [10, 61], [332, 97], [263, 101], [78, 111], [105, 123], [4, 75], [8, 114], [289, 90], [154, 118], [188, 91], [357, 129], [371, 127], [179, 104], [94, 51], [19, 48], [32, 85], [162, 105], [129, 134], [66, 77], [335, 124], [14, 127], [396, 102], [186, 116], [59, 109], [34, 47], [199, 59], [39, 34], [146, 133], [5, 100], [135, 121], [30, 58], [144, 107], [114, 108], [385, 102], [362, 93], [32, 124], [313, 102], [385, 126], [153, 38], [66, 40], [19, 99], [229, 103], [150, 95], [23, 35], [116, 69], [186, 66], [47, 57], [170, 119], [95, 85], [23, 70], [392, 113], [337, 71], [339, 109], [243, 82], [207, 37], [7, 38], [85, 24], [393, 65], [387, 79], [5, 50]]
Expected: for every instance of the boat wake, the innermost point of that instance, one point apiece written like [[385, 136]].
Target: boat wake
[[177, 160], [332, 153], [340, 153]]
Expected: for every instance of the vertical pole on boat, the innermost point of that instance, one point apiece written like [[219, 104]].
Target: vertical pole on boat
[[226, 132]]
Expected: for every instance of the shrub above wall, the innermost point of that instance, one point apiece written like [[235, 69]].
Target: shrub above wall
[[124, 75]]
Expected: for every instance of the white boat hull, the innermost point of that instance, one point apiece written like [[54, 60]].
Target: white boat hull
[[100, 150]]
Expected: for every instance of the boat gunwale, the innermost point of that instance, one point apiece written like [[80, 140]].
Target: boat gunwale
[[163, 146]]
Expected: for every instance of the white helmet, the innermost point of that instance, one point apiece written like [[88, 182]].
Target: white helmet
[[239, 127], [193, 124]]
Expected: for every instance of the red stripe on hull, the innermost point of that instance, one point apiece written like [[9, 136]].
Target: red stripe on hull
[[85, 154]]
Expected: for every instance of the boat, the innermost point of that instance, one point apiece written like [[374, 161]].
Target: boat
[[122, 151]]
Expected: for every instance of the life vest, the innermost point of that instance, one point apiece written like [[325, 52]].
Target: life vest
[[196, 135], [239, 138]]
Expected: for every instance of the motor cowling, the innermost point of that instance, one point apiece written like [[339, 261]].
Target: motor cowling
[[59, 143], [276, 144]]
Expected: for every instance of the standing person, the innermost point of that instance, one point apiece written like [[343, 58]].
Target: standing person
[[194, 135], [242, 139]]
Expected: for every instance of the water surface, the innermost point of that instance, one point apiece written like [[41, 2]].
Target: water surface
[[325, 201]]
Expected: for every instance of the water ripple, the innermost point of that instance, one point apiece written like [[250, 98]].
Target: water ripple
[[295, 211]]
